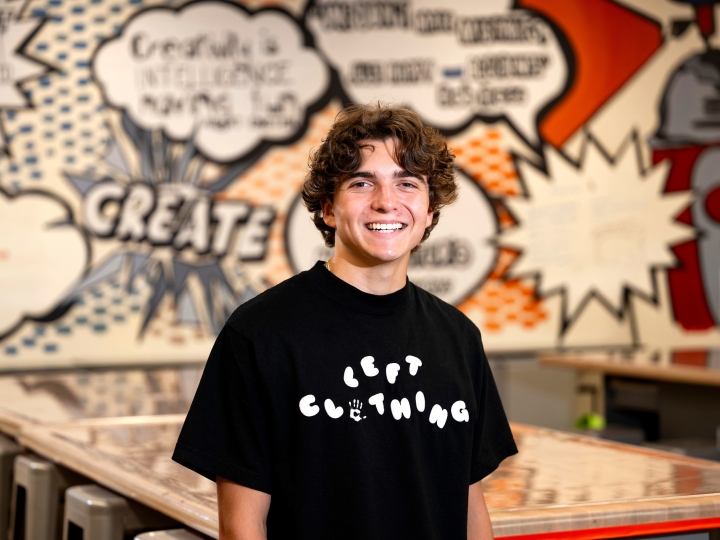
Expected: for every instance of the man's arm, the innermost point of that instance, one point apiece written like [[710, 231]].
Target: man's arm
[[478, 526], [242, 511]]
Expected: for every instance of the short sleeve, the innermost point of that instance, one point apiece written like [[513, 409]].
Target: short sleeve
[[225, 433], [492, 439]]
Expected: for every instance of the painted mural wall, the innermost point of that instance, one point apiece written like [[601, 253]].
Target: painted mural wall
[[153, 152]]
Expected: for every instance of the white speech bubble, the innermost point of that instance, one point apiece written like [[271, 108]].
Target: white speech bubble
[[41, 255], [213, 73], [448, 61], [451, 264]]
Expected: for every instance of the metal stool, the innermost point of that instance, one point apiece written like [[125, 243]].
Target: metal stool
[[8, 450], [173, 534], [38, 498], [95, 513]]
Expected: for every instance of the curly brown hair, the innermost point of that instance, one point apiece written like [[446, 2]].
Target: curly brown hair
[[419, 149]]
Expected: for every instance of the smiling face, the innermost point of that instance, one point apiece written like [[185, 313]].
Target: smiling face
[[380, 212]]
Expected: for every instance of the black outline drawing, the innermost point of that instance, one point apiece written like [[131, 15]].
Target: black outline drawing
[[626, 309], [61, 307], [263, 144], [158, 167], [20, 51], [339, 91]]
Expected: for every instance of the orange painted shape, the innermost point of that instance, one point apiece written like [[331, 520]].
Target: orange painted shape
[[610, 44], [690, 358], [624, 531]]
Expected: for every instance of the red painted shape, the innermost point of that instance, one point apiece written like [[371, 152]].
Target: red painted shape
[[705, 19], [625, 531], [686, 290], [609, 42], [712, 204], [690, 358], [687, 293], [685, 216], [683, 161]]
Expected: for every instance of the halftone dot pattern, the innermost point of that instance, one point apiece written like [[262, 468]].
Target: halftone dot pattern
[[504, 302], [97, 311], [276, 179], [504, 216], [483, 154], [65, 130], [35, 338]]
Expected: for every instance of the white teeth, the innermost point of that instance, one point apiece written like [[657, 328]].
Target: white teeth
[[385, 227]]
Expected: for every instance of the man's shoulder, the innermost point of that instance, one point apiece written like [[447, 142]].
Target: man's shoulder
[[273, 304], [440, 310]]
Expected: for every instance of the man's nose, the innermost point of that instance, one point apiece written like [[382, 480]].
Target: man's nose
[[385, 198]]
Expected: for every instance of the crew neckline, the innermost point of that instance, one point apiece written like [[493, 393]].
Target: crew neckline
[[352, 297]]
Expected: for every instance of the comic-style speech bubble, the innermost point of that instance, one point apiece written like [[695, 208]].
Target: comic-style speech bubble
[[213, 73], [448, 61], [41, 254], [451, 264]]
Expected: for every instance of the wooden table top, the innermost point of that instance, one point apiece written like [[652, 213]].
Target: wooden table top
[[133, 457], [50, 397], [697, 366], [558, 481]]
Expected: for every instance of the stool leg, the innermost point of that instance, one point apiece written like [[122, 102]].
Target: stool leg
[[8, 451], [38, 498], [93, 512]]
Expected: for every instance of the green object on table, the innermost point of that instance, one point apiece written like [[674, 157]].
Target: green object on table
[[592, 421]]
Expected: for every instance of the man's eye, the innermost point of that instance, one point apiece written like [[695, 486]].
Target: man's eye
[[360, 184]]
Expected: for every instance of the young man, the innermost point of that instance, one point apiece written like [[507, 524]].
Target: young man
[[346, 403]]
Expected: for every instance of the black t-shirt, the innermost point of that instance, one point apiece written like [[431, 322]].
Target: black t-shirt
[[364, 416]]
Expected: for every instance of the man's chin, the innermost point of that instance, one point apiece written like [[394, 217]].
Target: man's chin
[[390, 258], [376, 253]]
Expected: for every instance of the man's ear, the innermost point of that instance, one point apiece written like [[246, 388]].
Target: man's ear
[[428, 220], [328, 214]]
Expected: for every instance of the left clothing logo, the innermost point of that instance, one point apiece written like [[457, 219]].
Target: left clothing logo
[[399, 408]]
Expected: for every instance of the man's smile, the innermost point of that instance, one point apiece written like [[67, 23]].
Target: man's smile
[[385, 227]]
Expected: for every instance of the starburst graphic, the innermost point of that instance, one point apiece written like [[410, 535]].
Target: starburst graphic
[[596, 228], [15, 66], [162, 210]]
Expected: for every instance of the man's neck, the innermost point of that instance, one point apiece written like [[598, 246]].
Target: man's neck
[[379, 279]]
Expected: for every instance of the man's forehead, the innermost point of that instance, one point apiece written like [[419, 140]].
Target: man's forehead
[[369, 146]]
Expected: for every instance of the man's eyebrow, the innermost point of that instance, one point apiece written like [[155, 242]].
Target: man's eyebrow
[[408, 174], [361, 174], [398, 174]]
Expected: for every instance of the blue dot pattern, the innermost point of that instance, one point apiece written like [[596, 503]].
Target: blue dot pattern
[[96, 312], [61, 129], [64, 129]]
